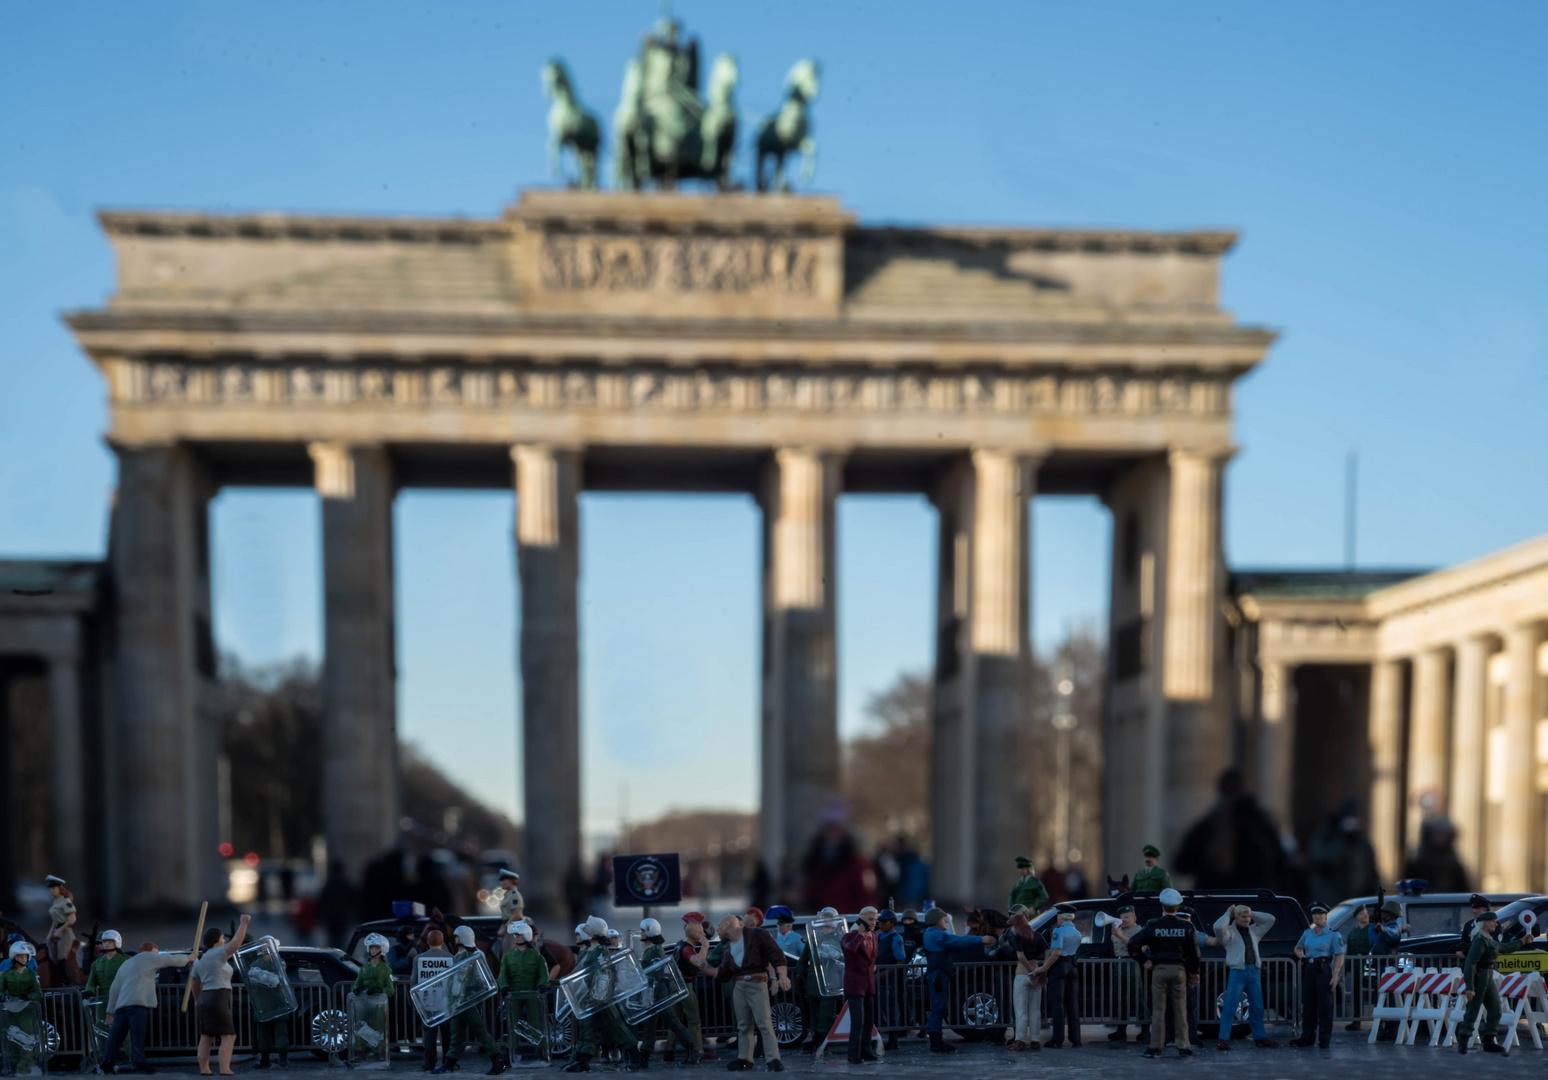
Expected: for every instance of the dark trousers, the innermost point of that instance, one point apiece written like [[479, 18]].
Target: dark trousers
[[940, 996], [1317, 1001], [272, 1036], [1064, 1001], [441, 1033], [862, 1018], [129, 1020], [469, 1024]]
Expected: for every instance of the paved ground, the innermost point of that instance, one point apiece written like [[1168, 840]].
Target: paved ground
[[1350, 1056]]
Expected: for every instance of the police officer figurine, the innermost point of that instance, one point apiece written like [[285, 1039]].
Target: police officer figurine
[[891, 964], [605, 1025], [1027, 891], [939, 943], [523, 975], [655, 951], [1173, 947], [1479, 904], [469, 1023], [1321, 952], [1063, 984], [1152, 878], [61, 918], [18, 985], [1479, 986]]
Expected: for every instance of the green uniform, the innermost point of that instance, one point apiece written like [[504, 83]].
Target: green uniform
[[1478, 976], [103, 970], [605, 1024], [1151, 879], [668, 1016], [1029, 893], [18, 983], [523, 974], [1358, 941], [375, 978], [469, 1023], [271, 1035]]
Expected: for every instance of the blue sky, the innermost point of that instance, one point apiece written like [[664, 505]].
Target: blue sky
[[1384, 163]]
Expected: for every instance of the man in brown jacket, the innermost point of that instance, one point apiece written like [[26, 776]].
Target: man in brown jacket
[[750, 954]]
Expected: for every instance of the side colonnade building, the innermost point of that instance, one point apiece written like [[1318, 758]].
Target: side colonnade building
[[1421, 694]]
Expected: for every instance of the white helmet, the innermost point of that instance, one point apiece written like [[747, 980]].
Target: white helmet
[[828, 911], [464, 936], [650, 928], [270, 937], [580, 930], [21, 949], [375, 941], [596, 927], [520, 929], [113, 936]]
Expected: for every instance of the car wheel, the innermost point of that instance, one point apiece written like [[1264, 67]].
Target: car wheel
[[981, 1016], [561, 1035], [329, 1033], [789, 1024]]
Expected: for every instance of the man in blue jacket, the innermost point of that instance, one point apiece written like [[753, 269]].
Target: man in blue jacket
[[939, 945]]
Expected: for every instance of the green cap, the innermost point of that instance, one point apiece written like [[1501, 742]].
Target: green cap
[[1022, 860], [1125, 907], [935, 915], [1151, 851], [1489, 916]]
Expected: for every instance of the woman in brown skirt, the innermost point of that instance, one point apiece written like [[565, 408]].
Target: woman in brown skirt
[[212, 986]]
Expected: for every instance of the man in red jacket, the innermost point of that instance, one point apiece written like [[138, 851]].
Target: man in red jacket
[[859, 947]]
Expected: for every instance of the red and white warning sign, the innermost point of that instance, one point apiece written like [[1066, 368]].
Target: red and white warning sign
[[839, 1033]]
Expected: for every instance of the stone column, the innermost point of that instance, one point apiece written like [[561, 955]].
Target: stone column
[[168, 738], [1001, 824], [1197, 737], [1428, 750], [800, 768], [1276, 741], [1518, 814], [548, 483], [1386, 730], [67, 774], [359, 692], [1467, 750], [980, 785]]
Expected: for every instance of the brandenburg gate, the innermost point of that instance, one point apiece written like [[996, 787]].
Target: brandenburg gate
[[664, 342]]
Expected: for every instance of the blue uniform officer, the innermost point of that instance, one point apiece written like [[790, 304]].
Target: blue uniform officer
[[1321, 949], [939, 944]]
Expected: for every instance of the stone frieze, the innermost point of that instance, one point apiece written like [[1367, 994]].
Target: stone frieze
[[659, 388]]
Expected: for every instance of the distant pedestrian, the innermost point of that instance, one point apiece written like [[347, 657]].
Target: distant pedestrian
[[336, 905], [1152, 878], [1235, 845], [1343, 862], [1436, 860]]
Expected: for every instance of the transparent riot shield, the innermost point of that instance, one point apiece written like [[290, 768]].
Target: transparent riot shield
[[604, 979], [637, 944], [664, 987], [268, 987], [366, 1020], [459, 988], [23, 1051], [824, 935], [96, 1030], [526, 1024]]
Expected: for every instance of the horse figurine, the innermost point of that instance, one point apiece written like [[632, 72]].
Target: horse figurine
[[789, 130], [1119, 886], [569, 124]]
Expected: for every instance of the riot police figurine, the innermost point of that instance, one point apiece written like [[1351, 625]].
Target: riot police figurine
[[21, 1001], [523, 975]]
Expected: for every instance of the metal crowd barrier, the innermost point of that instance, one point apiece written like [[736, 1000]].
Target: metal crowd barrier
[[1110, 992]]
